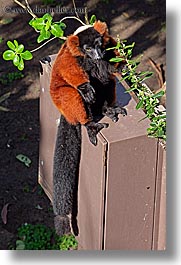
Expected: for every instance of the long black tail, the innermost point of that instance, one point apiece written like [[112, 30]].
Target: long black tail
[[65, 173]]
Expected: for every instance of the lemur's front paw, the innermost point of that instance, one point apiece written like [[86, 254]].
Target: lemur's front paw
[[87, 92], [113, 111], [93, 128]]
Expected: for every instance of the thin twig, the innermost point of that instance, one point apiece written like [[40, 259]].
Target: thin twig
[[27, 8], [75, 9], [63, 38], [73, 18], [86, 16]]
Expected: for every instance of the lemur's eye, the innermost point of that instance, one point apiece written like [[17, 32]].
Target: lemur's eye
[[88, 49]]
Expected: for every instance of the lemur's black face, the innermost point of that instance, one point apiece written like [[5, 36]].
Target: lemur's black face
[[91, 43], [94, 51]]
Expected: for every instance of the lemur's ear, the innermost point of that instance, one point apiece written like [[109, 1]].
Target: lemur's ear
[[73, 45], [101, 27]]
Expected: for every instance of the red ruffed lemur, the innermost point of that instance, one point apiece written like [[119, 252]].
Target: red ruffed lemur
[[83, 88]]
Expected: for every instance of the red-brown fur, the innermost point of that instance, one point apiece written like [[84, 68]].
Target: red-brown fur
[[101, 27], [67, 75]]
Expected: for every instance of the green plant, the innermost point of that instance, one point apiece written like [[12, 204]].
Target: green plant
[[66, 242], [40, 237], [147, 100], [92, 19], [34, 237], [17, 54], [8, 78], [45, 27]]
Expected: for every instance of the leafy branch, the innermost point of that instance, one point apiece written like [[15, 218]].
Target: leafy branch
[[147, 100], [47, 29]]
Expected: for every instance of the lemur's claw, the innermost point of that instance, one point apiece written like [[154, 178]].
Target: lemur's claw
[[123, 111], [93, 128], [113, 111]]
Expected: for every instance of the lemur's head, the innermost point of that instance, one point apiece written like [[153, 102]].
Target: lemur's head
[[89, 40]]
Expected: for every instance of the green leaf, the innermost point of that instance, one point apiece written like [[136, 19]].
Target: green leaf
[[16, 43], [44, 35], [8, 55], [160, 132], [150, 110], [92, 19], [147, 76], [21, 64], [131, 89], [16, 60], [20, 245], [11, 45], [48, 17], [116, 60], [153, 123], [20, 48], [37, 23], [56, 30], [62, 25], [145, 73], [124, 78], [129, 52], [40, 38], [48, 25], [140, 104], [163, 116], [159, 94], [24, 159], [129, 46], [27, 55]]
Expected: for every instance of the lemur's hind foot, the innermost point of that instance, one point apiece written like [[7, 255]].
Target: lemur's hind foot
[[113, 111], [62, 225], [93, 128]]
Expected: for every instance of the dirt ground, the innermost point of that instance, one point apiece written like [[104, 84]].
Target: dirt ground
[[141, 21]]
